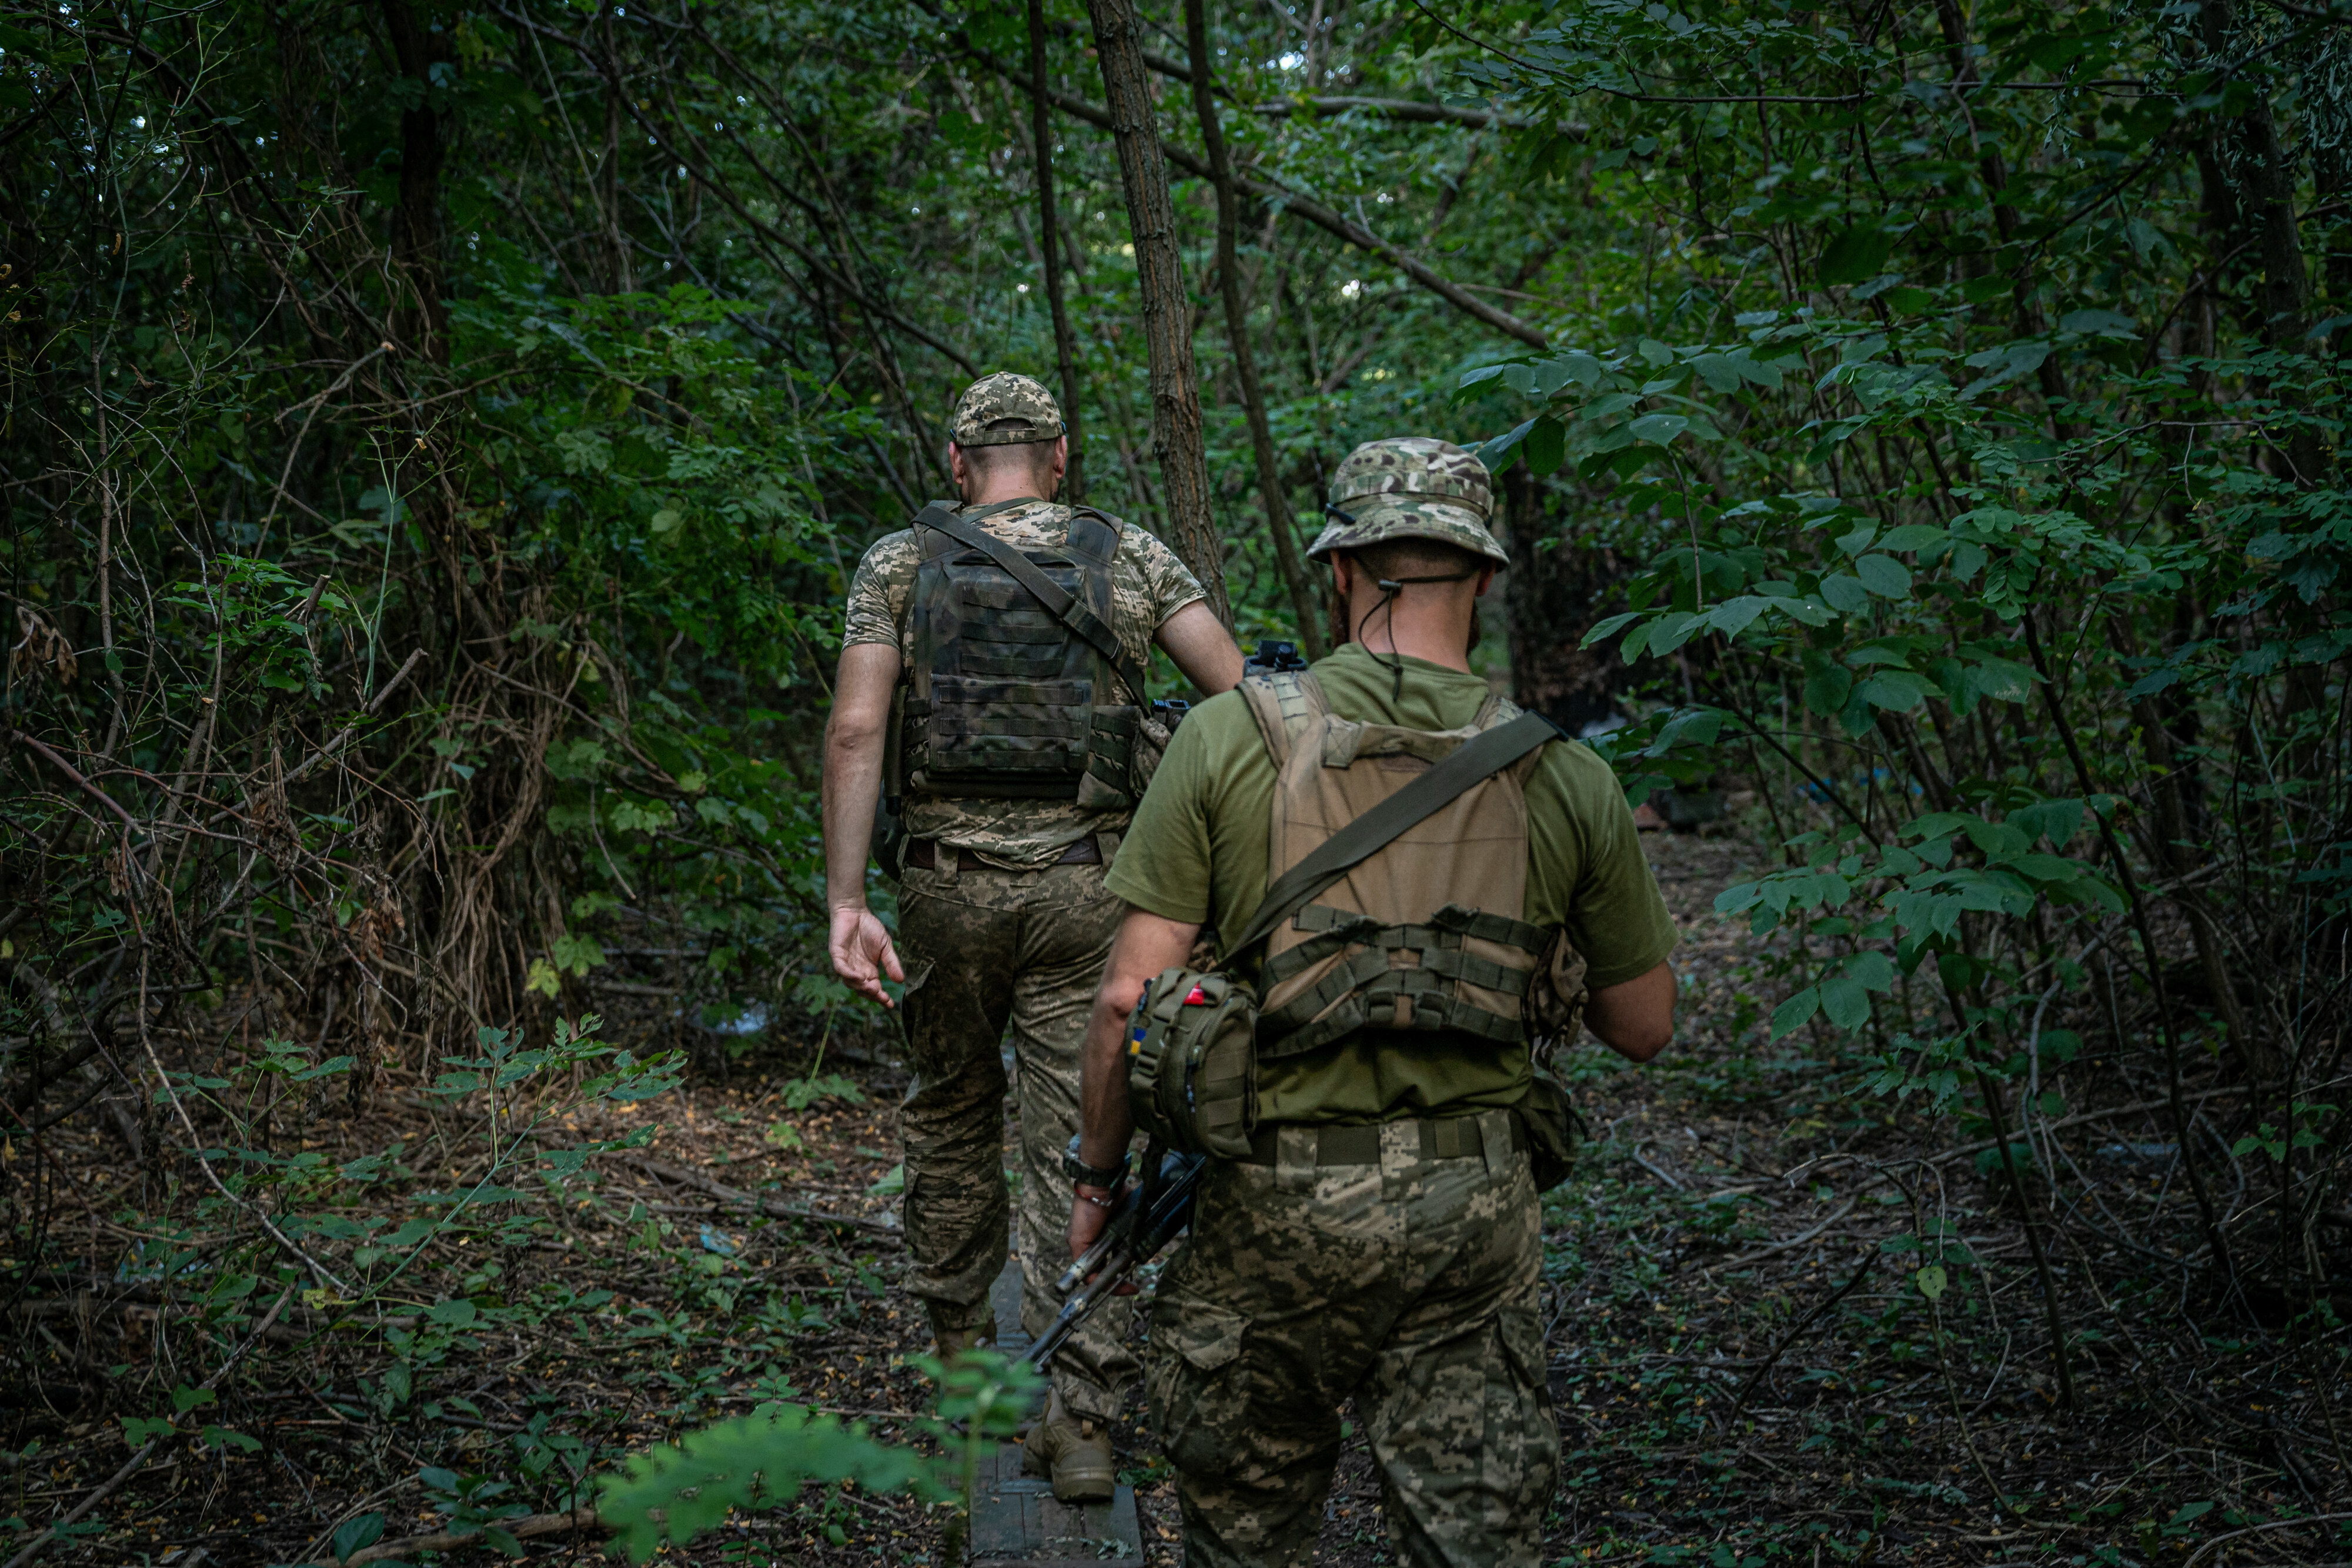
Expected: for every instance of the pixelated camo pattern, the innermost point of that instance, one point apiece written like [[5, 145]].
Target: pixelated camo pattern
[[1411, 487], [1411, 1285], [989, 956], [1147, 584], [1004, 395]]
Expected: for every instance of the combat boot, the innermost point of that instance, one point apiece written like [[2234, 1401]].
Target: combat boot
[[948, 1344], [1075, 1452]]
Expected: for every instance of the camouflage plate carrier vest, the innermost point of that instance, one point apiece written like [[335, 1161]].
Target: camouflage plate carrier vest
[[1005, 699], [1425, 936]]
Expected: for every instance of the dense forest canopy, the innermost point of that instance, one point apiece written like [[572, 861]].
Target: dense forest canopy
[[437, 436]]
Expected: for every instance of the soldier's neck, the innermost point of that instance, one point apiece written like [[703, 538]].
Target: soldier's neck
[[1439, 631], [986, 494]]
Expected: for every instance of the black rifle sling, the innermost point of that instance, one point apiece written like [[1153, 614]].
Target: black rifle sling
[[1058, 603], [1475, 760]]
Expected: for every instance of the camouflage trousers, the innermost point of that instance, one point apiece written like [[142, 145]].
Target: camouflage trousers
[[986, 950], [1410, 1286]]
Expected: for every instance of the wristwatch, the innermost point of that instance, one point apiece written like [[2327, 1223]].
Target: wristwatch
[[1085, 1174]]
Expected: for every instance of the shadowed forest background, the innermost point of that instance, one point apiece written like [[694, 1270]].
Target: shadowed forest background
[[434, 442]]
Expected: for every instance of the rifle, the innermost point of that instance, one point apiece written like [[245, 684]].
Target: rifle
[[1150, 1213], [1272, 658], [1148, 1217]]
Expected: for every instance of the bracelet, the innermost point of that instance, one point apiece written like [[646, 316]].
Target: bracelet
[[1084, 1196]]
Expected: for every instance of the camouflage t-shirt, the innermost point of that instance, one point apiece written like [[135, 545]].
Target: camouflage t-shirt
[[1147, 584]]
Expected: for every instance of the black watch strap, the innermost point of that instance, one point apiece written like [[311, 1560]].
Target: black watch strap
[[1085, 1174]]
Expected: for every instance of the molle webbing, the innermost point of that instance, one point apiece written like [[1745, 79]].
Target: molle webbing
[[1378, 993], [1422, 937], [1284, 704], [1092, 539], [1014, 689]]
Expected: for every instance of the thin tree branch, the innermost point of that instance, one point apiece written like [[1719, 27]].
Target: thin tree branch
[[1314, 212], [137, 1461]]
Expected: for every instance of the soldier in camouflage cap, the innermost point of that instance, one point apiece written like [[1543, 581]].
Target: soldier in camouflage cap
[[1409, 486], [987, 414], [1003, 918]]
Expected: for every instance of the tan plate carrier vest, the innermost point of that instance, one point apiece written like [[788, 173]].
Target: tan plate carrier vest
[[1425, 936]]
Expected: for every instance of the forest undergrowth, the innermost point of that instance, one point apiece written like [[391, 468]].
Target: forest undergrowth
[[1784, 1327], [435, 440]]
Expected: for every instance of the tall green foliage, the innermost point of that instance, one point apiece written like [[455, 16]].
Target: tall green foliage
[[1962, 380], [549, 367], [434, 441], [435, 438]]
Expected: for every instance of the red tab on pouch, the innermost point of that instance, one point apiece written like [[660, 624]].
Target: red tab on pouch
[[1199, 998]]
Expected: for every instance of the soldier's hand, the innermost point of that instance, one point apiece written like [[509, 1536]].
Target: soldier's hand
[[862, 954], [1089, 1217]]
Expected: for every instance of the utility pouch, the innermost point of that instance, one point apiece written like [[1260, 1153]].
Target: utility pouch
[[1125, 752], [1153, 731], [1557, 994], [1554, 1015], [1191, 1061], [1107, 784], [1553, 1130], [1192, 1040]]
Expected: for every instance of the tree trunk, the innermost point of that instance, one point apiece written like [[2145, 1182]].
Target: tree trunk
[[1176, 439], [2268, 181], [2268, 185], [1278, 520], [419, 320], [1293, 205], [1554, 597], [1995, 174], [1049, 219]]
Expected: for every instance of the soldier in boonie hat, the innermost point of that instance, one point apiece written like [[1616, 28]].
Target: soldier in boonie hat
[[1005, 410], [1409, 486]]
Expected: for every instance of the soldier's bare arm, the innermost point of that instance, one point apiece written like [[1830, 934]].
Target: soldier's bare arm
[[1146, 945], [854, 740], [1201, 647], [1634, 1018]]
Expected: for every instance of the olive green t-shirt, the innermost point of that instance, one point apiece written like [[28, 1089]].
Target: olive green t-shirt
[[1197, 851]]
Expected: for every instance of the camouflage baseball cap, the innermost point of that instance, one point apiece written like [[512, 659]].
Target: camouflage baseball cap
[[1411, 487], [1006, 396]]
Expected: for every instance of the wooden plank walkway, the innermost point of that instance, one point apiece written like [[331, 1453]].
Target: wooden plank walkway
[[1015, 1522]]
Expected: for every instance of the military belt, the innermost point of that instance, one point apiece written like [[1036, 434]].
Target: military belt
[[1442, 1138], [925, 853]]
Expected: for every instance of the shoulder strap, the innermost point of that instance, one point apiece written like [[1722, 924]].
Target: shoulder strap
[[1496, 709], [1475, 760], [952, 509], [1282, 704], [1058, 603], [1095, 535]]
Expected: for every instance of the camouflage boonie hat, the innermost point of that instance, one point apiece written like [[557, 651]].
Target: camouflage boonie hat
[[1003, 396], [1411, 487]]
